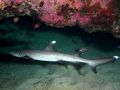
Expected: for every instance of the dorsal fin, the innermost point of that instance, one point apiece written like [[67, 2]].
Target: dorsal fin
[[79, 51], [51, 46]]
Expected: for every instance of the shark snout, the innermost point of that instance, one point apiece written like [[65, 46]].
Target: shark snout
[[17, 54]]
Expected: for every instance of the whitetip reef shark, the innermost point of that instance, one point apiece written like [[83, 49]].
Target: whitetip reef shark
[[49, 54]]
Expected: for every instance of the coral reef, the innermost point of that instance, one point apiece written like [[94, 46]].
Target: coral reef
[[93, 15]]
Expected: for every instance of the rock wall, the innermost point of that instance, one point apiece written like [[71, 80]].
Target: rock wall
[[93, 15]]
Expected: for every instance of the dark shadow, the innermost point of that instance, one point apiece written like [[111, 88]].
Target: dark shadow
[[9, 42], [101, 40], [3, 31], [104, 41]]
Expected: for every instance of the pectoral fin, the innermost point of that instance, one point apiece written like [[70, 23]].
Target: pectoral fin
[[94, 69], [78, 67]]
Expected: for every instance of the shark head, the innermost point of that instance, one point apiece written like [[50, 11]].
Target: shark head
[[17, 54]]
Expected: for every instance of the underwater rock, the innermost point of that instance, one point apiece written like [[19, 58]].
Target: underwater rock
[[93, 15]]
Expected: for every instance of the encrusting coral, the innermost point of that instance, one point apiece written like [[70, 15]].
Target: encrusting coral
[[93, 15]]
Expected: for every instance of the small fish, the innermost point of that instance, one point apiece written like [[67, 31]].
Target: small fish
[[50, 54]]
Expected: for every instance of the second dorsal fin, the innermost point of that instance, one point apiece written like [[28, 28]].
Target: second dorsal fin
[[51, 46], [78, 52]]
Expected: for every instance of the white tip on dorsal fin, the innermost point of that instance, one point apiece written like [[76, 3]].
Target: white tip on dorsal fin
[[51, 46]]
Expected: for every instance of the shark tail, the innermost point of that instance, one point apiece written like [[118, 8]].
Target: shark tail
[[93, 66]]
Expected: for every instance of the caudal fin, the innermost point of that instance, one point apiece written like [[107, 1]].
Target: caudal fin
[[95, 63]]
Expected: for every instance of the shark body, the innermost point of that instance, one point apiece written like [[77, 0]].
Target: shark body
[[51, 55]]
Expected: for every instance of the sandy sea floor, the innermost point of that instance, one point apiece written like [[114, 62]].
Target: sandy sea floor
[[33, 75]]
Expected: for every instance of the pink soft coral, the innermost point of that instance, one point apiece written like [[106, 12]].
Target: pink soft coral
[[17, 1], [2, 4]]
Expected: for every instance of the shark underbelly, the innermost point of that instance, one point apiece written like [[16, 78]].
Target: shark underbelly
[[44, 58]]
